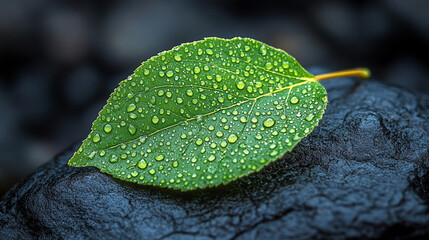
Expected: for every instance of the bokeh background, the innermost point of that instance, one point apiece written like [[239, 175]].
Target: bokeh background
[[60, 60]]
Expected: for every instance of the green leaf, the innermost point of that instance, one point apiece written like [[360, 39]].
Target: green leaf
[[203, 114]]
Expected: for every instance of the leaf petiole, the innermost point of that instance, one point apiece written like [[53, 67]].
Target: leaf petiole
[[355, 72]]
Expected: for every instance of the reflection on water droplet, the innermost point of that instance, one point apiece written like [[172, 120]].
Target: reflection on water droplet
[[269, 122], [155, 119], [274, 153], [197, 70], [294, 100], [159, 157], [232, 138], [309, 117], [132, 129], [240, 85], [96, 138], [218, 78], [263, 50], [113, 158], [92, 155], [142, 164], [107, 128], [131, 107], [133, 116]]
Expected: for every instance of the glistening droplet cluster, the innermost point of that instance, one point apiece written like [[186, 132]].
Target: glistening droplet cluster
[[203, 114]]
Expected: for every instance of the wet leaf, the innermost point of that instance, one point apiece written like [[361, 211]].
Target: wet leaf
[[203, 114]]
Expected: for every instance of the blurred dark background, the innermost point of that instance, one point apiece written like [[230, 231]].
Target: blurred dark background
[[60, 60]]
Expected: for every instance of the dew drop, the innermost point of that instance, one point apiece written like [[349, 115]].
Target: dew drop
[[189, 92], [107, 128], [309, 117], [240, 85], [197, 70], [232, 138], [133, 116], [159, 157], [294, 100], [169, 73], [209, 51], [142, 164], [274, 153], [219, 134], [269, 122], [152, 171], [92, 155], [155, 119], [132, 129], [268, 66], [263, 50], [131, 107], [218, 78], [175, 164], [243, 119], [178, 58], [96, 138], [179, 100], [212, 158], [113, 158]]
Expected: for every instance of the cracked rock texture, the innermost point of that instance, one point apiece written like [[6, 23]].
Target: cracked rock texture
[[362, 174]]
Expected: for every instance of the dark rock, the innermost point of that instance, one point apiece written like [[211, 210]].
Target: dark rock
[[362, 174]]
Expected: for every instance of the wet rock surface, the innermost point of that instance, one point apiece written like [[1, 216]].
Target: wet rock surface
[[362, 174]]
